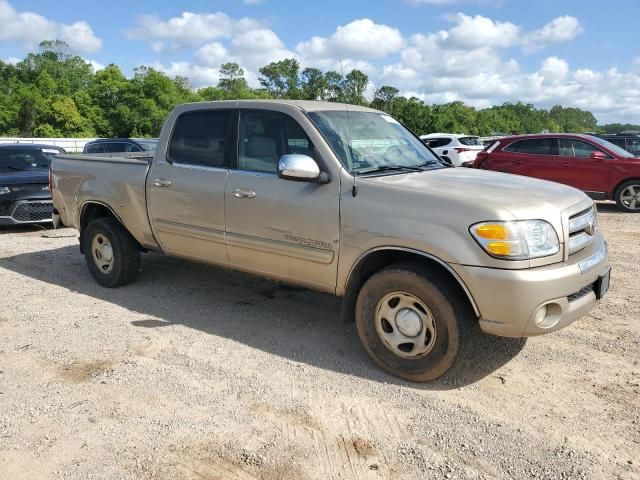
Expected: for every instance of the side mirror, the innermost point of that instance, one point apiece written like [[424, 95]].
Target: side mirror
[[301, 168], [598, 155]]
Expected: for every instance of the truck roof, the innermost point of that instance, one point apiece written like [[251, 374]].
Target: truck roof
[[305, 105]]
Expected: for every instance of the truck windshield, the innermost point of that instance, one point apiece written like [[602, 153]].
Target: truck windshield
[[371, 142]]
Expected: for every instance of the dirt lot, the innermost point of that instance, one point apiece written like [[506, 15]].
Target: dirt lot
[[200, 373]]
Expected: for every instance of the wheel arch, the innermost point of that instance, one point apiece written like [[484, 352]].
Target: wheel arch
[[91, 210], [375, 259], [614, 192]]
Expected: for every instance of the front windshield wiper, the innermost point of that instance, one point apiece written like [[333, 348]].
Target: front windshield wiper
[[400, 168], [390, 168]]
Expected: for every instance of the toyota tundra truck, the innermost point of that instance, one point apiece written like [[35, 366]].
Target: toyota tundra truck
[[345, 200]]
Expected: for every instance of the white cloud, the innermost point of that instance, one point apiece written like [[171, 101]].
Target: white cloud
[[479, 31], [95, 64], [29, 29], [360, 38], [466, 62], [559, 30], [554, 70], [80, 37], [187, 30]]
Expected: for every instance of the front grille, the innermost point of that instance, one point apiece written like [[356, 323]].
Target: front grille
[[582, 227], [33, 212], [580, 293]]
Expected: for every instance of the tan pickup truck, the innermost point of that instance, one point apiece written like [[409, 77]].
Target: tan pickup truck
[[344, 200]]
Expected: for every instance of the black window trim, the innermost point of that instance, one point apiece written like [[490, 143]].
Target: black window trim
[[228, 134]]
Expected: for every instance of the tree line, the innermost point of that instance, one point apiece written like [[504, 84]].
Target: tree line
[[53, 93]]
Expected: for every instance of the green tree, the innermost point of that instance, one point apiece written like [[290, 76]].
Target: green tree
[[383, 98], [281, 78], [232, 81], [314, 84], [355, 84], [335, 86]]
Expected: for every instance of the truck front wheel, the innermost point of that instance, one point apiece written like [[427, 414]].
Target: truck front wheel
[[111, 253], [411, 321]]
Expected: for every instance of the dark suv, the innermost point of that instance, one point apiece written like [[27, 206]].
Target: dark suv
[[628, 141], [25, 196], [118, 145]]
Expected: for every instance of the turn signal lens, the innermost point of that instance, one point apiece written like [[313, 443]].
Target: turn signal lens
[[518, 240], [492, 231], [499, 248]]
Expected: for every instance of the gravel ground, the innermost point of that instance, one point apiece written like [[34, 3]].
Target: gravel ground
[[200, 373]]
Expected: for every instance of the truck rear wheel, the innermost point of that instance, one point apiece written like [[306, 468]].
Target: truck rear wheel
[[111, 253], [411, 321]]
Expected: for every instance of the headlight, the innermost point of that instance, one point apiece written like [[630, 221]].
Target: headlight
[[519, 240], [4, 190]]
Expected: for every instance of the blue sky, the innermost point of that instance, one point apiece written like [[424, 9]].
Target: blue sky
[[484, 52]]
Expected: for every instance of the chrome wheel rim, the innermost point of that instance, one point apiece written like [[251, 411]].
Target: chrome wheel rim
[[405, 325], [630, 197], [102, 253]]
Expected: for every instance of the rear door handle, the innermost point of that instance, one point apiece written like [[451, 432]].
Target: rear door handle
[[162, 182], [243, 193], [565, 164]]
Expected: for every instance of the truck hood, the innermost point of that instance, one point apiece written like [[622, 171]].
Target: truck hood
[[522, 197], [19, 177]]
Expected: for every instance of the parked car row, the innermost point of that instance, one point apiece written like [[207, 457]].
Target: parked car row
[[592, 164], [454, 149], [25, 197], [119, 145]]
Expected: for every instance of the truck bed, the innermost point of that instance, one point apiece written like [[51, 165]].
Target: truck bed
[[117, 181]]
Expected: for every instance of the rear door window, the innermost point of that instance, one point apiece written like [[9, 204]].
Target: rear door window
[[533, 146], [438, 142], [470, 141], [115, 147], [200, 138]]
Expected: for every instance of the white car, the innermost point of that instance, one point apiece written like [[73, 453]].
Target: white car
[[454, 148]]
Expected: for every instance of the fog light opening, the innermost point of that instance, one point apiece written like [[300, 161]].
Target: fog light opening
[[547, 316]]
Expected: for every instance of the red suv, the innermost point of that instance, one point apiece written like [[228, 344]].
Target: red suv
[[601, 169]]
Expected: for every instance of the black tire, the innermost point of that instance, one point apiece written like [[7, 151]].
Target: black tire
[[453, 318], [126, 254], [618, 196]]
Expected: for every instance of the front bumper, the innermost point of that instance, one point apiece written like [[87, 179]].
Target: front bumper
[[509, 299], [28, 207]]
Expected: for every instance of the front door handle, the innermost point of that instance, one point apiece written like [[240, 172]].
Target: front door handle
[[162, 182], [243, 193]]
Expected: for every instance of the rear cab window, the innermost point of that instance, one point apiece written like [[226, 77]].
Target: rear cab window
[[200, 138]]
